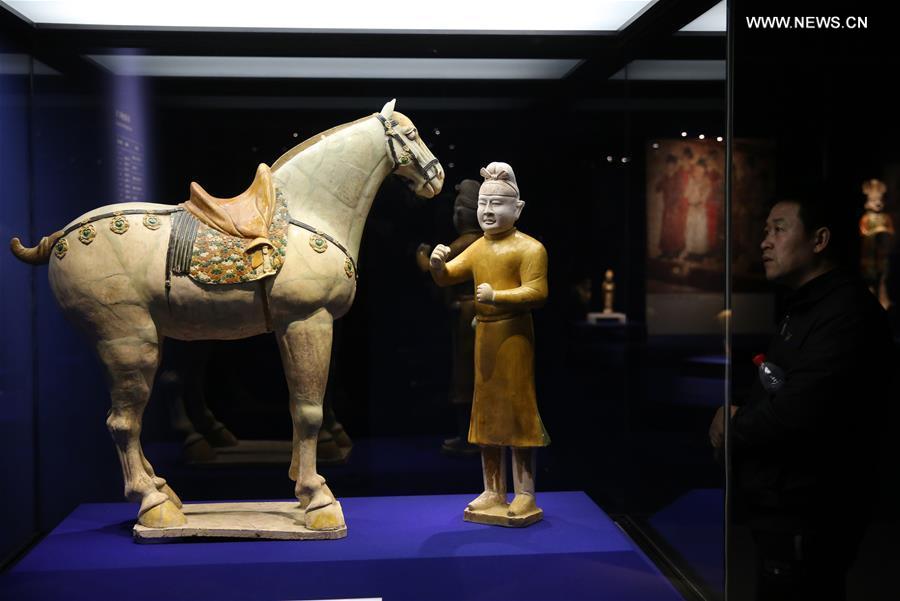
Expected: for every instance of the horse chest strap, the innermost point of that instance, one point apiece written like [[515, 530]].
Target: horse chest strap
[[319, 242]]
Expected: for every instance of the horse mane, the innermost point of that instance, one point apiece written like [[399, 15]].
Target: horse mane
[[312, 141]]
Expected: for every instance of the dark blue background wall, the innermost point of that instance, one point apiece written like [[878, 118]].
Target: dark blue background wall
[[17, 456], [54, 165], [73, 173]]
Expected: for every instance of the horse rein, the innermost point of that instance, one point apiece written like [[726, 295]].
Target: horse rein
[[427, 171]]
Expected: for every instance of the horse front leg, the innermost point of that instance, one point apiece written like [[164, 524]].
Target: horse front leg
[[306, 352]]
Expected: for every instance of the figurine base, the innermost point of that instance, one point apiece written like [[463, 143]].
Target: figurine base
[[260, 521], [496, 516], [595, 318]]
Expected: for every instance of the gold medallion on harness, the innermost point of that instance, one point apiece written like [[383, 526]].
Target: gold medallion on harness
[[318, 243], [119, 224], [61, 248], [152, 222], [348, 267], [87, 233]]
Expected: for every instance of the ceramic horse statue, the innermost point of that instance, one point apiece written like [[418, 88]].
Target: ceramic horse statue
[[120, 273]]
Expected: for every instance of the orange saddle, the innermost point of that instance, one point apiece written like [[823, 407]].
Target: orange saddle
[[246, 216]]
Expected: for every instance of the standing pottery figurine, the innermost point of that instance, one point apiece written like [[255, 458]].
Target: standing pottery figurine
[[877, 231], [609, 290], [509, 270]]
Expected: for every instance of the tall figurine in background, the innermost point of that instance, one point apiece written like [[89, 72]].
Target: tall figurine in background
[[461, 303], [509, 270], [609, 291], [877, 231]]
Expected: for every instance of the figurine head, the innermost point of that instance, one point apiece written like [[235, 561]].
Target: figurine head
[[499, 205], [874, 190], [465, 207], [608, 276]]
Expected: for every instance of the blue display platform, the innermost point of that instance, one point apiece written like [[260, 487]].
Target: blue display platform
[[694, 526], [397, 548]]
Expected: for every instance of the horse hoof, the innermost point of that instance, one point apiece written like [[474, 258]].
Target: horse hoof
[[341, 437], [167, 490], [221, 437], [328, 451], [330, 517], [164, 515], [197, 449]]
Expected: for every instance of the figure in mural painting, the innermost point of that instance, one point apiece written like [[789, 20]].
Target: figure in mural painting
[[461, 303], [715, 202], [509, 270], [696, 234], [877, 231], [672, 186]]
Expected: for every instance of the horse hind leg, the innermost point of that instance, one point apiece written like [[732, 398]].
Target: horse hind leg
[[131, 363]]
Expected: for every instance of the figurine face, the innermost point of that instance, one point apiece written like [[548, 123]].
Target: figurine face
[[874, 202], [788, 252], [497, 214]]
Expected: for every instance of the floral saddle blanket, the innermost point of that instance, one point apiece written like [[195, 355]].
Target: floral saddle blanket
[[210, 256]]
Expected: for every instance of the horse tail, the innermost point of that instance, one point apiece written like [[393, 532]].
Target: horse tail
[[36, 255]]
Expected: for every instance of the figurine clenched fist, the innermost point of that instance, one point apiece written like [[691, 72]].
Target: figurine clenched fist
[[439, 256], [484, 294]]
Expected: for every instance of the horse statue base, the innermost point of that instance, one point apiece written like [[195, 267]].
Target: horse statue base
[[257, 521]]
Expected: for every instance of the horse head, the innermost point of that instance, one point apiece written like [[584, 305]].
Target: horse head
[[412, 158]]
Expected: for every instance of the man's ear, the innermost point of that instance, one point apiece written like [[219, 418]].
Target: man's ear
[[520, 204], [821, 237]]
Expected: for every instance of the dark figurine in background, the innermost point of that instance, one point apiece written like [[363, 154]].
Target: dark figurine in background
[[877, 231], [461, 303]]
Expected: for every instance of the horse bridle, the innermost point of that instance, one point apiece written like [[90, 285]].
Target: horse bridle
[[428, 171]]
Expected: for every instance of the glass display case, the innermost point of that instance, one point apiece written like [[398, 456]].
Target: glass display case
[[618, 137]]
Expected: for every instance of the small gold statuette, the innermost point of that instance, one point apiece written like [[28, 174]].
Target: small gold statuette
[[348, 267], [152, 222], [609, 289], [61, 248], [87, 233], [318, 243], [119, 224]]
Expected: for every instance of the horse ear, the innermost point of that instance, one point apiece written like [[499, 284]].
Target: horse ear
[[388, 109]]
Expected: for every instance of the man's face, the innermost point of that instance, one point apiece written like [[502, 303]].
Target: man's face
[[497, 214], [787, 250]]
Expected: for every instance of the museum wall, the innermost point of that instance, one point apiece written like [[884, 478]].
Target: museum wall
[[73, 172], [17, 376]]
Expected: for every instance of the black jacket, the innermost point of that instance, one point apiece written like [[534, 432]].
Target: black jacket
[[811, 448]]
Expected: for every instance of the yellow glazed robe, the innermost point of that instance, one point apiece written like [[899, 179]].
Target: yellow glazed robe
[[504, 406]]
